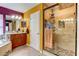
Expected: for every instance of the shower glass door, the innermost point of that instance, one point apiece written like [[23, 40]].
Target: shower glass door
[[60, 29]]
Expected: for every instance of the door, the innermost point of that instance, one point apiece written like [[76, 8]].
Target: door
[[35, 30]]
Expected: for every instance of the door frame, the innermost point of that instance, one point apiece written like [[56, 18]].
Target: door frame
[[75, 26]]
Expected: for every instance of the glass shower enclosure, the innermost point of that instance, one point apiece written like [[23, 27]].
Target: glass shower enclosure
[[60, 29]]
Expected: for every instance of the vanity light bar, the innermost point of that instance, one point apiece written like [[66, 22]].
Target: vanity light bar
[[20, 17], [16, 17], [12, 16]]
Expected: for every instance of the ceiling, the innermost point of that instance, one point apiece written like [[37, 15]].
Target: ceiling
[[20, 7]]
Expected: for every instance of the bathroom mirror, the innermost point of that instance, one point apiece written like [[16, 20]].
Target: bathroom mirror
[[11, 24]]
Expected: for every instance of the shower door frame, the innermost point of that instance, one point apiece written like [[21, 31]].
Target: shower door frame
[[75, 27]]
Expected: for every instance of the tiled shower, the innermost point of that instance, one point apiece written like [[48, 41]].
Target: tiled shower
[[60, 29]]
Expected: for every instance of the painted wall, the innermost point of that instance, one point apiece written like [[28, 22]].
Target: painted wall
[[27, 18]]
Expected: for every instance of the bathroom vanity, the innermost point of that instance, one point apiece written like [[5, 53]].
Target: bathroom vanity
[[18, 39], [16, 31]]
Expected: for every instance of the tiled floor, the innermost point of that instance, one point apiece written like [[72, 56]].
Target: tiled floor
[[25, 51]]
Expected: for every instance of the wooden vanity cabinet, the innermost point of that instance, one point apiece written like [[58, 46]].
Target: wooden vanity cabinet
[[18, 39]]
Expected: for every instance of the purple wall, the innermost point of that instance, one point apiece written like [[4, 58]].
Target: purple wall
[[6, 11]]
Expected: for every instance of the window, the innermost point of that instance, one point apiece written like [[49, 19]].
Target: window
[[1, 24], [1, 29]]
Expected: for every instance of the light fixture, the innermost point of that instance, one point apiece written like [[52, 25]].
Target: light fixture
[[16, 17], [12, 16], [19, 17]]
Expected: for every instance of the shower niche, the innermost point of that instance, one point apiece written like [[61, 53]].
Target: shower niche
[[60, 29]]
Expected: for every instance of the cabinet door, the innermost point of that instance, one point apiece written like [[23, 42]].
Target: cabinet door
[[23, 38], [18, 39], [13, 40]]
